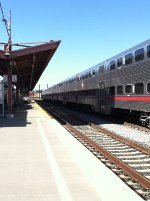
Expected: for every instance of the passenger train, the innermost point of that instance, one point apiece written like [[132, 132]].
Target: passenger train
[[118, 84]]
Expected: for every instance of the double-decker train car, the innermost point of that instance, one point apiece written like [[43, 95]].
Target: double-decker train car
[[118, 84]]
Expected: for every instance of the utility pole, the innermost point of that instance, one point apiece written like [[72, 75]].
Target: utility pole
[[7, 54], [9, 67]]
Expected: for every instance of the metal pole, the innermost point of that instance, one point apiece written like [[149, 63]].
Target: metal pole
[[39, 90], [9, 70], [17, 93], [10, 89]]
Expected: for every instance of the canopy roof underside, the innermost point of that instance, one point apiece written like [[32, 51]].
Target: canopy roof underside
[[28, 63]]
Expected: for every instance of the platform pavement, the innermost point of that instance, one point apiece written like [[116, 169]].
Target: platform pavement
[[41, 161]]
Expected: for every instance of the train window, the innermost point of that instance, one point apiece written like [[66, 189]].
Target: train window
[[112, 90], [82, 78], [139, 88], [148, 50], [120, 89], [128, 59], [93, 73], [112, 65], [119, 62], [101, 69], [87, 75], [128, 89], [148, 87], [139, 54]]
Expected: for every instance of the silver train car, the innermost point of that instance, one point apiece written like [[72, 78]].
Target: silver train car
[[120, 83]]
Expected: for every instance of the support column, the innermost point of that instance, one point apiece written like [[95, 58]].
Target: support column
[[17, 92], [8, 53], [10, 89]]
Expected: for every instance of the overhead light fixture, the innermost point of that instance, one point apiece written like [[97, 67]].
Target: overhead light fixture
[[7, 54]]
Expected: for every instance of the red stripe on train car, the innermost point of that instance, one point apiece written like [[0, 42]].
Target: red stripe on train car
[[131, 98]]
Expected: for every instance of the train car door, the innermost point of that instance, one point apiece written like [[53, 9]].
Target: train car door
[[102, 96]]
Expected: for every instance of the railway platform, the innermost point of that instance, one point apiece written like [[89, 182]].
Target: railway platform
[[41, 161]]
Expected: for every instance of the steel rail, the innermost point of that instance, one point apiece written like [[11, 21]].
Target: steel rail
[[127, 169], [145, 150], [122, 139]]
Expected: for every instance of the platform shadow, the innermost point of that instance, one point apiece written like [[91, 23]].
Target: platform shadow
[[19, 119]]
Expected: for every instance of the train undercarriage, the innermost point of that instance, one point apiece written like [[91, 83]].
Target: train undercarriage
[[145, 119]]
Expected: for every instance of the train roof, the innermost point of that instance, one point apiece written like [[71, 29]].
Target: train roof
[[107, 60], [130, 49], [117, 55]]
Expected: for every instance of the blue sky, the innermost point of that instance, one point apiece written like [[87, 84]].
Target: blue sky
[[90, 30]]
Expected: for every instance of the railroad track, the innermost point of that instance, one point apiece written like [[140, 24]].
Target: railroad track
[[128, 160], [138, 127]]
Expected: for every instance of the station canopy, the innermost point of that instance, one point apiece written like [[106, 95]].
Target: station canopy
[[28, 63]]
